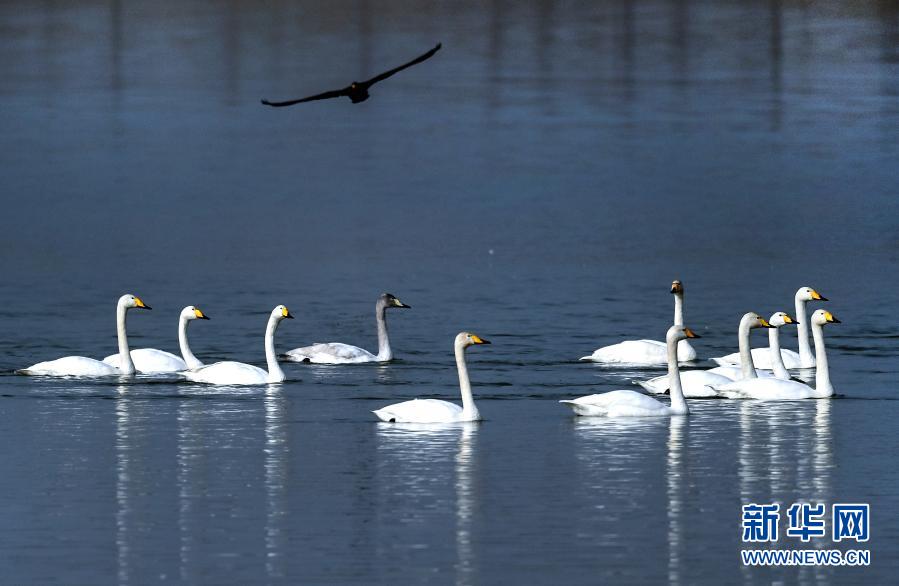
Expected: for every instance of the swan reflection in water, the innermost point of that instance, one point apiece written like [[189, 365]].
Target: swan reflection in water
[[785, 456], [424, 459]]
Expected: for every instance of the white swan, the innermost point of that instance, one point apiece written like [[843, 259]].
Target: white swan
[[772, 355], [337, 353], [238, 373], [804, 358], [694, 383], [435, 410], [81, 366], [634, 404], [647, 352], [746, 369], [772, 389], [153, 360]]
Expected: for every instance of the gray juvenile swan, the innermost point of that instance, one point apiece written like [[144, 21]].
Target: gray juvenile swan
[[338, 353]]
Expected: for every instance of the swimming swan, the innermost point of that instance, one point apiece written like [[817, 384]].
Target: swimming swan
[[772, 389], [749, 321], [238, 373], [435, 410], [153, 360], [804, 358], [81, 366], [634, 404], [337, 353], [647, 352], [772, 355]]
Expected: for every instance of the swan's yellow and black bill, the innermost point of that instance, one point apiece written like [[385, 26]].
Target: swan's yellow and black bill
[[765, 323], [831, 318], [479, 340], [690, 333], [285, 313], [789, 320], [138, 302], [817, 296], [677, 287], [398, 303], [200, 314]]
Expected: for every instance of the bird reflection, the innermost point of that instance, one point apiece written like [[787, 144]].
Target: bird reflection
[[676, 472], [123, 475], [276, 456], [418, 456]]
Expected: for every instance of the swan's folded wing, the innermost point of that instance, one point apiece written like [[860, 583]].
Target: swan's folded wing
[[330, 352]]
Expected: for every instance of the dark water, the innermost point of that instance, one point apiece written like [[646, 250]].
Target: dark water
[[539, 182]]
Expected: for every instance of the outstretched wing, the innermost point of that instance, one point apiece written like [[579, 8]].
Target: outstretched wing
[[415, 61], [322, 96]]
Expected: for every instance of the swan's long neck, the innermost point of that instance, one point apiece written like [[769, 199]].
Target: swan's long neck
[[806, 360], [678, 309], [823, 388], [469, 411], [746, 364], [275, 374], [126, 365], [186, 354], [678, 403], [777, 362], [384, 352]]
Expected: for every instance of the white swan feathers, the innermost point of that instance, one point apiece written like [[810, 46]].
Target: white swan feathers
[[152, 360], [81, 366], [647, 352], [634, 404], [339, 353], [238, 373], [773, 389], [435, 410]]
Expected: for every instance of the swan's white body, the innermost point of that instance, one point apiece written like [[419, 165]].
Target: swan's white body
[[695, 383], [82, 366], [238, 373], [634, 404], [761, 357], [773, 354], [771, 389], [152, 360], [736, 372], [435, 410], [647, 352], [339, 353]]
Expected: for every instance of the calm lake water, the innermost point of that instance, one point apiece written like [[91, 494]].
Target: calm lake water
[[540, 181]]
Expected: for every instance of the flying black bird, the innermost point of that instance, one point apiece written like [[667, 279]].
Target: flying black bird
[[358, 90]]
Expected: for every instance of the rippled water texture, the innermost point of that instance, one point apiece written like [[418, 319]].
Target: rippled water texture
[[540, 181]]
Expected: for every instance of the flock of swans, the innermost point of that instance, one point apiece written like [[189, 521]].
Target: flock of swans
[[751, 373]]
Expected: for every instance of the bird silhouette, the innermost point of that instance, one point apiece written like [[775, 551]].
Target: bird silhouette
[[358, 90]]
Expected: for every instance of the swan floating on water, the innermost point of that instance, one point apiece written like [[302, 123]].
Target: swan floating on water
[[647, 352], [634, 404], [435, 410], [148, 360], [773, 389], [772, 355], [746, 368], [81, 366], [804, 358], [338, 353], [238, 373]]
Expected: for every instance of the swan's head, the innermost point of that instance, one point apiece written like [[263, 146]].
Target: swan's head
[[755, 321], [129, 301], [678, 333], [281, 312], [781, 319], [466, 339], [821, 317], [677, 286], [809, 294], [192, 312], [390, 300]]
